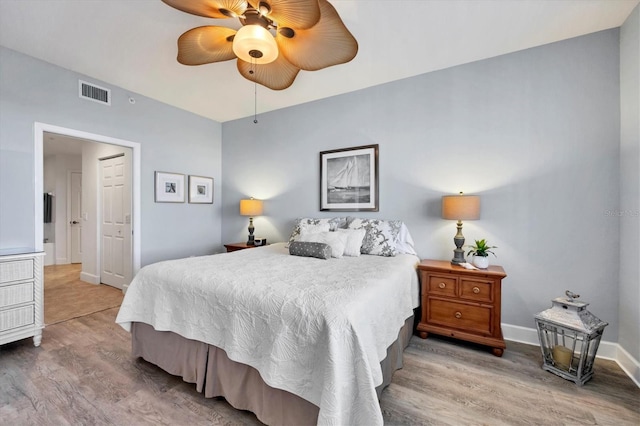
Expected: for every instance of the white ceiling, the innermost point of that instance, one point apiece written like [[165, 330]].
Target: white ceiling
[[132, 44]]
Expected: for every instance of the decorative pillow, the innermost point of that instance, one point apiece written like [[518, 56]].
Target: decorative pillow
[[310, 249], [354, 241], [380, 238], [337, 241], [334, 223]]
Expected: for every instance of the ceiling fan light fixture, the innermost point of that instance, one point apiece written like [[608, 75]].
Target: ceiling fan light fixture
[[255, 44]]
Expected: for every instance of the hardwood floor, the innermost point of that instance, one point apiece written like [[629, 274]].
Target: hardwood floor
[[83, 374], [67, 297]]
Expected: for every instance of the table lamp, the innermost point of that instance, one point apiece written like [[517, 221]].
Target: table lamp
[[460, 207], [251, 208]]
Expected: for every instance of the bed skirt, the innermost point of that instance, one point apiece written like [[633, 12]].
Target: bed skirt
[[213, 373]]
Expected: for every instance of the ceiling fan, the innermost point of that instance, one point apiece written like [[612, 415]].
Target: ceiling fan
[[278, 38]]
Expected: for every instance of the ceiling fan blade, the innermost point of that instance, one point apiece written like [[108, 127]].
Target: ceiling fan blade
[[204, 45], [277, 75], [327, 43], [217, 9], [291, 13]]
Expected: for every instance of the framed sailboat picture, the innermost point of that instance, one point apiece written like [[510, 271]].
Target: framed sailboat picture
[[349, 179]]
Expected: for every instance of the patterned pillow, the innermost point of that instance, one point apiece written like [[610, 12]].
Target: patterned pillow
[[334, 223], [310, 249], [380, 238]]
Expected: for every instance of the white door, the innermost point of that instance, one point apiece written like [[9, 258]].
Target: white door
[[75, 217], [115, 233]]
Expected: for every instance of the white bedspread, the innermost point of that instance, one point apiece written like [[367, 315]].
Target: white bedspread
[[316, 328]]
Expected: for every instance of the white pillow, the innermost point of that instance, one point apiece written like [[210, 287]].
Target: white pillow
[[354, 241], [404, 242], [306, 228], [334, 222], [336, 240]]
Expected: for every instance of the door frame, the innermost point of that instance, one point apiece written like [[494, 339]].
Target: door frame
[[68, 206], [39, 131]]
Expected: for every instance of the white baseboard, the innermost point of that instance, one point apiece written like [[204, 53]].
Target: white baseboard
[[90, 278], [629, 365], [606, 350], [62, 261]]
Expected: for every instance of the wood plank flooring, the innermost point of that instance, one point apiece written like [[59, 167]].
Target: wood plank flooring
[[83, 374], [67, 297]]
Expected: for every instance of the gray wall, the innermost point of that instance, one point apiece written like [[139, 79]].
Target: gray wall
[[535, 133], [171, 140], [630, 185]]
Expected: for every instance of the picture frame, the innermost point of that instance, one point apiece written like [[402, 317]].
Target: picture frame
[[349, 179], [200, 189], [169, 187]]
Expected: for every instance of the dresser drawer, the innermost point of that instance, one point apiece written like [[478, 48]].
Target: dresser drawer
[[16, 270], [476, 319], [14, 318], [441, 284], [16, 294], [477, 290]]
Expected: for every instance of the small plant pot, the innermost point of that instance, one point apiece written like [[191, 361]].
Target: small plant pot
[[481, 262]]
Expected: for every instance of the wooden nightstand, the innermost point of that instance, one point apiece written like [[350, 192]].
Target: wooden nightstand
[[237, 246], [462, 303]]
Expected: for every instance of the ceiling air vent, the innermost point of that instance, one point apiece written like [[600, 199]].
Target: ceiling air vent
[[94, 93]]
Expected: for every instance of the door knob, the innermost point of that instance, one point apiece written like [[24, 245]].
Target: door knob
[[74, 222]]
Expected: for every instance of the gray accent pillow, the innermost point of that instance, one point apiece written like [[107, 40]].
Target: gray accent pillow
[[310, 249]]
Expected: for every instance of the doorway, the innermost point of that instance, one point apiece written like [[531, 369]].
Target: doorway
[[134, 218]]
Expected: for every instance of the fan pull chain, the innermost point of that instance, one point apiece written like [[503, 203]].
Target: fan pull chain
[[255, 102]]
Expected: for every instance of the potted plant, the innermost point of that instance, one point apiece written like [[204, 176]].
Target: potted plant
[[480, 253]]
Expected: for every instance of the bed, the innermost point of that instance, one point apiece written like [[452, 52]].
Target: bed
[[294, 339]]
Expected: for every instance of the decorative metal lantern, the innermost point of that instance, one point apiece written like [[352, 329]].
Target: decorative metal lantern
[[569, 338]]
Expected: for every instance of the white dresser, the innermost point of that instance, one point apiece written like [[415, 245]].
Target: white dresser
[[21, 296]]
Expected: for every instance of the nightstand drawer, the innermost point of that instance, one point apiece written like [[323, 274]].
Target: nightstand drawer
[[441, 284], [478, 290], [475, 319]]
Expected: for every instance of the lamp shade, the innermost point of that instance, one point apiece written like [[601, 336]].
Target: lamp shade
[[461, 207], [251, 207], [255, 44]]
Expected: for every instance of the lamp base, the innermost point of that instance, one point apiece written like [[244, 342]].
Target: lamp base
[[251, 241], [458, 257], [458, 252]]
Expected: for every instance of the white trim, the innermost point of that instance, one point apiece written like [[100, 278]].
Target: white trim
[[629, 365], [68, 213], [90, 278], [39, 130], [606, 350], [38, 169]]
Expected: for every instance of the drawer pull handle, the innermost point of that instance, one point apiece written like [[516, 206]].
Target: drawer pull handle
[[458, 315], [476, 290], [442, 285]]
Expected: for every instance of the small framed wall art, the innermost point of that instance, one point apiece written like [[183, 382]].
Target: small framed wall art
[[169, 187], [200, 189], [349, 179]]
